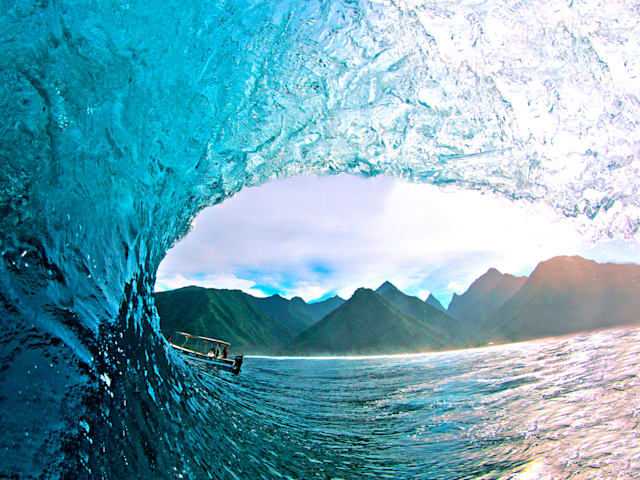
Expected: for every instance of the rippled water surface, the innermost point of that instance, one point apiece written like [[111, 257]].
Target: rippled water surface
[[562, 408]]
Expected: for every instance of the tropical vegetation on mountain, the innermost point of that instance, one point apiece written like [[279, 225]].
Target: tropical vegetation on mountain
[[482, 298], [566, 295], [443, 325], [434, 302], [296, 313], [368, 324], [230, 315], [563, 295]]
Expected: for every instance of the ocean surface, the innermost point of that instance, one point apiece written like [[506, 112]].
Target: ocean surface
[[558, 408], [120, 121]]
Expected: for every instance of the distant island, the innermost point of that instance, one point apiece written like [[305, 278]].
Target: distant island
[[562, 295]]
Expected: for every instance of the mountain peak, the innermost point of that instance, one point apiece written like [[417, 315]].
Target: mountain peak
[[564, 269], [434, 302], [483, 296], [386, 287], [492, 272], [487, 281], [566, 261], [362, 291], [370, 324], [577, 293]]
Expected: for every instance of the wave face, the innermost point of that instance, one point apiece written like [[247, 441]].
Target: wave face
[[122, 120]]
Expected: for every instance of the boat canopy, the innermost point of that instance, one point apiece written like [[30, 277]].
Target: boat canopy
[[205, 339]]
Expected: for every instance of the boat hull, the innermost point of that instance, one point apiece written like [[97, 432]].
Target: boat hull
[[204, 361]]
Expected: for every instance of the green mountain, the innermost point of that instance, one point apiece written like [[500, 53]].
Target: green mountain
[[318, 310], [290, 313], [367, 324], [296, 314], [434, 302], [563, 295], [229, 315], [482, 298], [567, 295], [447, 327]]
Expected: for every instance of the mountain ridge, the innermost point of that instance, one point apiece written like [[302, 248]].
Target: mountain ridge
[[367, 324], [568, 294], [434, 302], [483, 297], [229, 315], [411, 306], [562, 295]]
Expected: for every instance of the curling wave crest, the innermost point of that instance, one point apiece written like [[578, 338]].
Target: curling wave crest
[[121, 120]]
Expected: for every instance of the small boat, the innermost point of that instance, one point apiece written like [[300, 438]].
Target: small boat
[[207, 352]]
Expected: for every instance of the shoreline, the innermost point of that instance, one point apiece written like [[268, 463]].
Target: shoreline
[[496, 346]]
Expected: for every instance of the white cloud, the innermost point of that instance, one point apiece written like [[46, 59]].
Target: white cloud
[[222, 280], [306, 291], [454, 287], [308, 236], [348, 290], [423, 294]]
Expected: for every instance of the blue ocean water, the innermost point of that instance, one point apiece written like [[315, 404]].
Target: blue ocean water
[[121, 120], [558, 408]]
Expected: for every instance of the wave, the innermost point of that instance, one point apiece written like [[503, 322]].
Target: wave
[[121, 121]]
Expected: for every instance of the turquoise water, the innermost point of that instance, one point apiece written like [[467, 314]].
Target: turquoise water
[[560, 408], [121, 120]]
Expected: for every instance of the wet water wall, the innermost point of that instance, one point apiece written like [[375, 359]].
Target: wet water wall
[[121, 120]]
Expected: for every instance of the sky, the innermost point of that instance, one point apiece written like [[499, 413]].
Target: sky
[[315, 237]]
